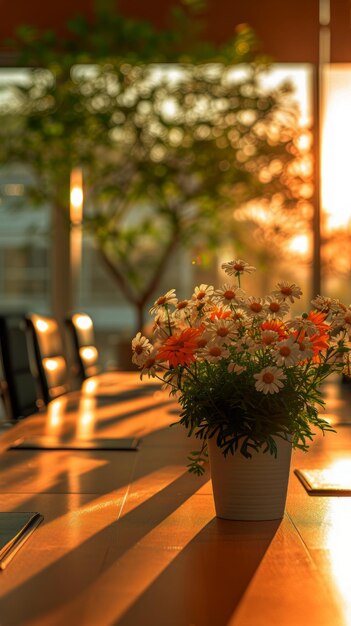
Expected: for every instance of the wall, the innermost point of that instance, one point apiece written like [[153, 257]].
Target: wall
[[288, 29]]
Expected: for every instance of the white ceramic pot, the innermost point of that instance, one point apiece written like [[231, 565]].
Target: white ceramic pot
[[250, 489]]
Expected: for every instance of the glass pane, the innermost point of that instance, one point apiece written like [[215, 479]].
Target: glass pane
[[335, 182]]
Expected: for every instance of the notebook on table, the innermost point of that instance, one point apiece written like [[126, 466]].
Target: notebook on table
[[325, 482], [15, 529]]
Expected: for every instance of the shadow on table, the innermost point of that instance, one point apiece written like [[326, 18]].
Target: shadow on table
[[205, 583], [74, 572]]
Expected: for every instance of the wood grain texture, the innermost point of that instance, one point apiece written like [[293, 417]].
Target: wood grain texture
[[132, 538]]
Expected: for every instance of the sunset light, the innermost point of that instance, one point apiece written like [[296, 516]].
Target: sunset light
[[336, 139], [300, 244]]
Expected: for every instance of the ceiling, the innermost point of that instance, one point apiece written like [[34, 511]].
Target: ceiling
[[288, 29]]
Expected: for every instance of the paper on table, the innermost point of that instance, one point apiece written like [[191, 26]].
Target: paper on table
[[325, 482], [15, 529]]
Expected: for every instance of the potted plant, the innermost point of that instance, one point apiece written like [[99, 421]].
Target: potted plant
[[247, 379]]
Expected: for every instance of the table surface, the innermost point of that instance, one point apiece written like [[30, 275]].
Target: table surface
[[130, 538]]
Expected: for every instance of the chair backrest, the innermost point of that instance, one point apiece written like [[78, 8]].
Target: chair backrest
[[49, 358], [19, 388], [84, 354]]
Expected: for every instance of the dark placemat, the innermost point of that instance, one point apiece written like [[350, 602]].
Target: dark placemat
[[53, 443], [15, 529], [324, 482]]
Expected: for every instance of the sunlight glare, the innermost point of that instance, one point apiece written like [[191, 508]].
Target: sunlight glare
[[338, 544], [76, 196], [299, 244], [82, 321], [50, 364], [89, 386], [88, 353], [336, 139], [41, 326]]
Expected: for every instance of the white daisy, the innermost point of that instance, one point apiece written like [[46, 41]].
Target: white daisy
[[343, 318], [301, 322], [340, 340], [162, 301], [237, 267], [202, 340], [236, 368], [269, 380], [214, 353], [141, 348], [255, 307], [200, 310], [182, 309], [287, 291], [306, 348], [161, 326], [149, 367], [221, 330], [338, 343], [276, 307], [202, 293], [240, 317], [321, 303], [287, 352], [247, 344], [229, 294], [268, 337]]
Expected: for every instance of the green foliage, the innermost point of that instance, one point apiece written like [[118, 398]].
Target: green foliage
[[227, 406], [166, 158]]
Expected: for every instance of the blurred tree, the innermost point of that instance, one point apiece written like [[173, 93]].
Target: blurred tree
[[172, 134]]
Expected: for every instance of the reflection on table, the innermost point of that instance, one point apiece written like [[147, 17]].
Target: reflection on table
[[129, 537]]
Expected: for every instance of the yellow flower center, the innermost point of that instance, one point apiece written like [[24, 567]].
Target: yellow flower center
[[201, 343], [182, 304], [222, 331], [215, 351], [161, 300], [286, 291], [238, 267], [267, 378], [285, 351], [201, 295], [274, 307], [256, 307], [138, 348], [229, 294]]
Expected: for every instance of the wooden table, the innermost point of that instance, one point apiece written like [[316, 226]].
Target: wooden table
[[130, 538]]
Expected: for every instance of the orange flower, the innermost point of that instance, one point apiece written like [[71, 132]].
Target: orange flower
[[317, 318], [220, 314], [277, 327], [320, 339], [179, 349], [320, 342]]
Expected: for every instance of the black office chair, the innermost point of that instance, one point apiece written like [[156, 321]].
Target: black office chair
[[32, 352], [19, 388], [49, 360], [84, 354]]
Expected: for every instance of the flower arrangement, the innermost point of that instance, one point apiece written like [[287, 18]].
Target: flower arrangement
[[242, 372]]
